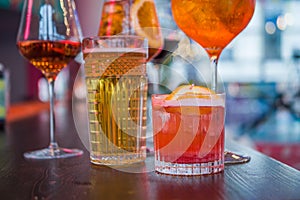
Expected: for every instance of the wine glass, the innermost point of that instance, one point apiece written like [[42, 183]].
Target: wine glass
[[214, 24], [50, 37]]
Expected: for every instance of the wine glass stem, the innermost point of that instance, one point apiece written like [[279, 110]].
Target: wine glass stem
[[53, 143], [214, 68]]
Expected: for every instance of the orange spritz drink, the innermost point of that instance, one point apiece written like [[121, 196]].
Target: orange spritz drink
[[212, 23], [188, 128]]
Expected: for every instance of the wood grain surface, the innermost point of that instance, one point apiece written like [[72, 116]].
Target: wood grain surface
[[75, 178]]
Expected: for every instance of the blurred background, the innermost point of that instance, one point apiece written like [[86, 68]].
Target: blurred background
[[260, 70]]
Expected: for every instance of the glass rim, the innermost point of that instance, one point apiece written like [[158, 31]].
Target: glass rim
[[212, 94], [207, 100], [114, 37], [124, 43]]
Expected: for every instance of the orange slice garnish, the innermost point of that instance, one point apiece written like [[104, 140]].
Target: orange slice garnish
[[145, 22], [189, 91]]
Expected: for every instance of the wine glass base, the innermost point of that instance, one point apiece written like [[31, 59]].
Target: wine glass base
[[53, 153], [234, 158]]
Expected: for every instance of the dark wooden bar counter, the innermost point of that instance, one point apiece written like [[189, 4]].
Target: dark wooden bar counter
[[75, 178]]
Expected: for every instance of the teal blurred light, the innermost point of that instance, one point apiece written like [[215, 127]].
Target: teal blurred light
[[4, 3], [11, 4]]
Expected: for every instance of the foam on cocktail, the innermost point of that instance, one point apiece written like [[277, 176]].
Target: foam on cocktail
[[213, 101], [191, 95]]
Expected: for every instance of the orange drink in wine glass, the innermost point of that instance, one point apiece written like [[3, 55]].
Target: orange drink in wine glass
[[49, 37], [214, 24]]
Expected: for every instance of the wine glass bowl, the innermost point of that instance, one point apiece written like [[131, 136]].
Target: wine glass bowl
[[49, 37], [50, 57], [212, 24]]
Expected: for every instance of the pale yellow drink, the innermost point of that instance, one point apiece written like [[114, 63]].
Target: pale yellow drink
[[116, 93]]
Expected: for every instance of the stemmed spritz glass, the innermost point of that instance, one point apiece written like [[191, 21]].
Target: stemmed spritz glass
[[50, 37], [214, 24]]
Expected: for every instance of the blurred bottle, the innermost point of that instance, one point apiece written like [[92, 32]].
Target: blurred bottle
[[132, 17], [4, 95], [115, 18]]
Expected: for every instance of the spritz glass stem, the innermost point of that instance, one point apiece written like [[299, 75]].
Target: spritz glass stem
[[229, 157], [214, 68], [53, 144]]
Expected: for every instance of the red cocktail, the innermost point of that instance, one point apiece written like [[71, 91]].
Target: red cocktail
[[189, 133]]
